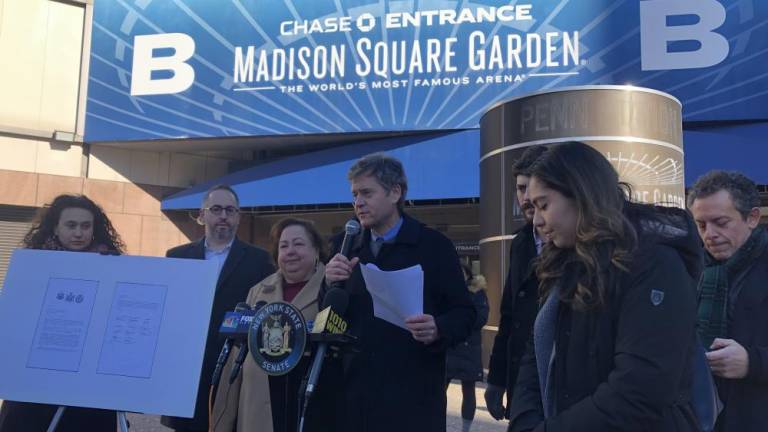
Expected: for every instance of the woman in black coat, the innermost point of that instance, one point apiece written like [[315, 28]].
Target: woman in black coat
[[614, 339], [464, 361]]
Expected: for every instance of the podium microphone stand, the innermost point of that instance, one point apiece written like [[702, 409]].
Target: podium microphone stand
[[343, 342], [122, 422]]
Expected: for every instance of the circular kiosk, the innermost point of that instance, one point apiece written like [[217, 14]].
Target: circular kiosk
[[639, 131]]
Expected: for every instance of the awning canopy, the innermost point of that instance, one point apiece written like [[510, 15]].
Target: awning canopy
[[438, 166], [732, 147], [446, 166]]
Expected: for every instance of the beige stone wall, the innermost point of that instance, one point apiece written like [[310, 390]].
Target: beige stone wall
[[41, 156], [159, 168], [40, 46]]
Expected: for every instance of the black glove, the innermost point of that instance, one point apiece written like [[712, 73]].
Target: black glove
[[494, 401]]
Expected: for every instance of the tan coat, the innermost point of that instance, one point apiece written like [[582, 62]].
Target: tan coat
[[247, 399]]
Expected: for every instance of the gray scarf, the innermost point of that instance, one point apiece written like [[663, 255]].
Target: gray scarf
[[544, 347]]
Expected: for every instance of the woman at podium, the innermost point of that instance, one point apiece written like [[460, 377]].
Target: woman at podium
[[255, 401], [70, 223]]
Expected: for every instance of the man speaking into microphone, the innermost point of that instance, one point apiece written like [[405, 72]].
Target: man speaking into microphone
[[395, 381]]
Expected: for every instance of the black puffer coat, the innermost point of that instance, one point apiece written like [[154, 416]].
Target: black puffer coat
[[626, 366], [746, 399], [519, 304]]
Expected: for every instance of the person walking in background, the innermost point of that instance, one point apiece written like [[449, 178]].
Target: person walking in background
[[241, 266], [464, 360], [70, 223], [519, 300], [256, 401], [615, 337], [733, 296]]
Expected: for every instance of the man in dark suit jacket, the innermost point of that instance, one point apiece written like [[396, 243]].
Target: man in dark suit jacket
[[396, 382], [519, 300], [733, 296], [240, 267]]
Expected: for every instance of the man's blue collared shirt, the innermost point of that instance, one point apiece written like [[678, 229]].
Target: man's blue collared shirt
[[390, 235]]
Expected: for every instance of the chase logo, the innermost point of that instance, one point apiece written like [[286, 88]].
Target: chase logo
[[691, 43]]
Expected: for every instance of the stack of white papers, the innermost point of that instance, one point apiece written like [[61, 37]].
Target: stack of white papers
[[397, 294]]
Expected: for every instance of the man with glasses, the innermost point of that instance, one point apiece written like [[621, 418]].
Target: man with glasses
[[240, 267]]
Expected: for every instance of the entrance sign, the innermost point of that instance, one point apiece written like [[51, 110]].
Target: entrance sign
[[200, 68]]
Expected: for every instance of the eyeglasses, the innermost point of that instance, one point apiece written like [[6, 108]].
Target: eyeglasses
[[217, 210]]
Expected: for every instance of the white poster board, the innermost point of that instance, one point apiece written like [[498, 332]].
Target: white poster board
[[116, 332]]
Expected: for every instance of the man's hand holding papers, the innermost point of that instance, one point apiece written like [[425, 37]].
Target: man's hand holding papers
[[398, 298]]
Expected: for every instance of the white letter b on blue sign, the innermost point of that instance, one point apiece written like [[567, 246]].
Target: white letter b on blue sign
[[144, 64], [655, 34]]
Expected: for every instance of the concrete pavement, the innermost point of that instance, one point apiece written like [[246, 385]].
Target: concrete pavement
[[483, 421]]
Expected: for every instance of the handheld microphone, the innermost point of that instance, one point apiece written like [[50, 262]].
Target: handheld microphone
[[240, 359], [228, 327], [351, 229]]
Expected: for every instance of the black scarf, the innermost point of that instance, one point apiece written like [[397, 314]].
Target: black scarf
[[716, 282]]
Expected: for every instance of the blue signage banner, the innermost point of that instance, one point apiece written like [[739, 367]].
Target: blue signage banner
[[165, 69]]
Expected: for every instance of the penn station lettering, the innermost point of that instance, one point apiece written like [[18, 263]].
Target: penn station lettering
[[638, 130], [568, 115]]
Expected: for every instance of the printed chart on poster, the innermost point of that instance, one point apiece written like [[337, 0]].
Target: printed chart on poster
[[111, 332]]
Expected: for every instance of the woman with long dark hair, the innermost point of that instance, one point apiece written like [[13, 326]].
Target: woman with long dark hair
[[70, 223], [615, 336], [73, 223]]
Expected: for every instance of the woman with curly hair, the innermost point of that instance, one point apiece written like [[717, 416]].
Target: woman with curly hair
[[73, 223], [614, 340], [70, 223]]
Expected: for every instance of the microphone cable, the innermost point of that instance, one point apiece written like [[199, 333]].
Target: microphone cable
[[211, 424]]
